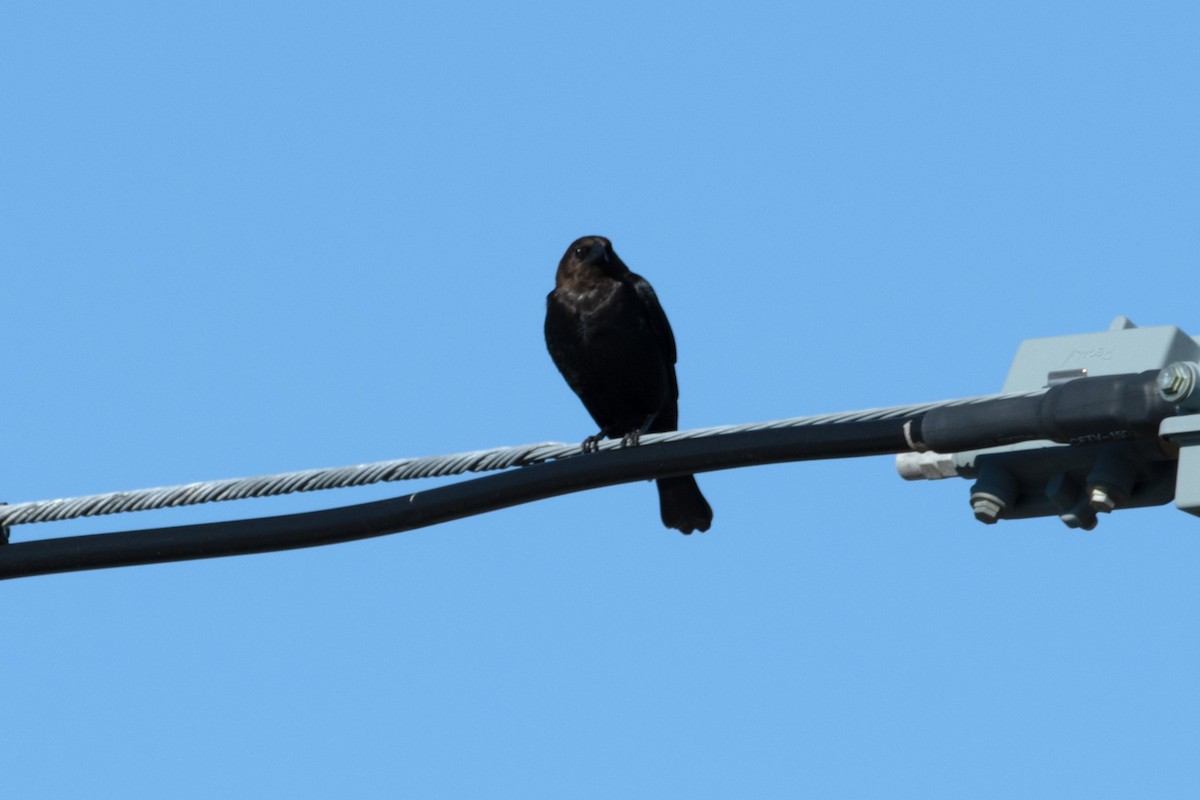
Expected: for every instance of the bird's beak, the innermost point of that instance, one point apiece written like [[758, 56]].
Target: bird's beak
[[599, 254]]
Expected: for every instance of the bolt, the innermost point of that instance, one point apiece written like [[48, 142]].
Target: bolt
[[987, 507], [1083, 522], [1170, 379], [1177, 383], [1101, 500]]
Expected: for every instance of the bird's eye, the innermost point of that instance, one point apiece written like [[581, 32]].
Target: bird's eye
[[579, 252]]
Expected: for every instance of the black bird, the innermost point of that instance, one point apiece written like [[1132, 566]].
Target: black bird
[[610, 339]]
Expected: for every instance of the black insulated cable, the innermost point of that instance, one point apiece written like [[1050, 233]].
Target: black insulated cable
[[463, 499], [1105, 408], [1083, 411]]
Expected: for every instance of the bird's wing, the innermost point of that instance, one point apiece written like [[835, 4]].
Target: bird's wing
[[655, 315]]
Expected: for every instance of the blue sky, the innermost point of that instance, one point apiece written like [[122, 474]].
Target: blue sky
[[249, 238]]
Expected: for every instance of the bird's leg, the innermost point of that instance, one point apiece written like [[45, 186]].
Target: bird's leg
[[592, 443], [632, 438]]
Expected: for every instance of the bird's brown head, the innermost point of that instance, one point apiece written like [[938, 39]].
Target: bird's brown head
[[590, 259]]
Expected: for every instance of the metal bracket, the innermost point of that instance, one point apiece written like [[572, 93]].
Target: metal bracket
[[1185, 433], [1075, 483]]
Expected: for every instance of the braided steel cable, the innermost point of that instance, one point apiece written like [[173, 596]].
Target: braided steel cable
[[412, 468]]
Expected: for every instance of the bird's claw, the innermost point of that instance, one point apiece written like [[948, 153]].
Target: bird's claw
[[634, 437], [592, 443]]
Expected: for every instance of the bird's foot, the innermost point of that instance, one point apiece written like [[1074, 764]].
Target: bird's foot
[[632, 438], [592, 443]]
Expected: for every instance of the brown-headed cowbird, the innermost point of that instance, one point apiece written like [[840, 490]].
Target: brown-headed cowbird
[[610, 339]]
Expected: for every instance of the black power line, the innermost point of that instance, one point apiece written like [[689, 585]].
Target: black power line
[[464, 499], [1088, 412]]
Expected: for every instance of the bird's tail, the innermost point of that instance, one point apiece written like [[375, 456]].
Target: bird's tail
[[682, 505]]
